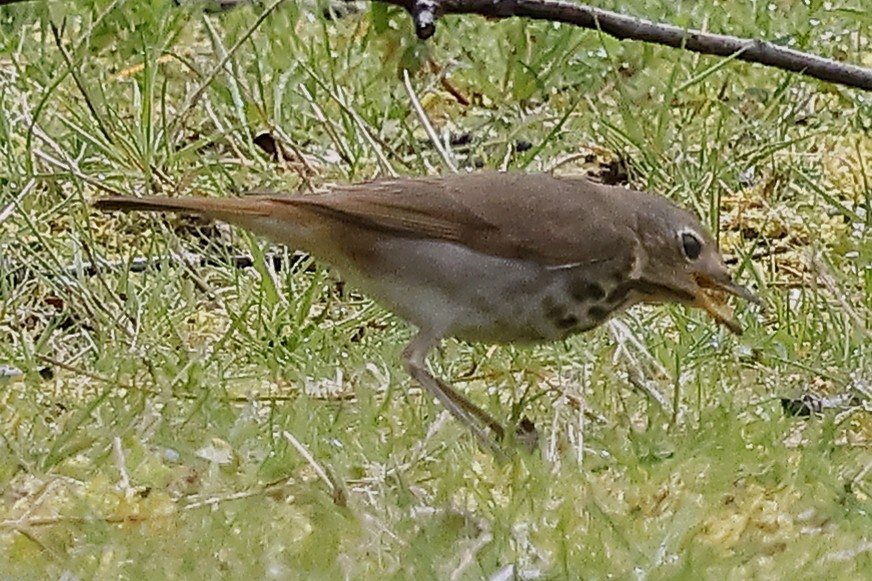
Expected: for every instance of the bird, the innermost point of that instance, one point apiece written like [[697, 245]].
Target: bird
[[497, 257]]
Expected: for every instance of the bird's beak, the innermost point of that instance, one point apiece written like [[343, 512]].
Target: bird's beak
[[711, 294]]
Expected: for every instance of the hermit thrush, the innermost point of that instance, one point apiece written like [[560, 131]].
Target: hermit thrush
[[494, 257]]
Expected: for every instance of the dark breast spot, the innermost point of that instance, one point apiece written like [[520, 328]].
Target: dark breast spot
[[567, 322], [598, 313], [583, 291], [558, 314], [553, 310]]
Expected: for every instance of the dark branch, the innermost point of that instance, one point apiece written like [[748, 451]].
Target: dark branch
[[425, 13]]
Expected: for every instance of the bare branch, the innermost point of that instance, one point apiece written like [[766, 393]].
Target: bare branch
[[425, 13]]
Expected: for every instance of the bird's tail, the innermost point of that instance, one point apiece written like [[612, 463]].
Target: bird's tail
[[220, 208], [279, 218]]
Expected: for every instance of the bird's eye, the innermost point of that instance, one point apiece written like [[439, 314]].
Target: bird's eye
[[692, 245]]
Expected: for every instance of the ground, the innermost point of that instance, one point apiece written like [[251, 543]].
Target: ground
[[172, 415]]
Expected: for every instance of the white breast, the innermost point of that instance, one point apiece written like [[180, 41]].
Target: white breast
[[454, 291]]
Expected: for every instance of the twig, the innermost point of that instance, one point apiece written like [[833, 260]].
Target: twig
[[624, 337], [828, 281], [758, 254], [442, 73], [425, 13], [425, 122], [848, 554], [861, 474], [504, 573], [810, 404], [639, 383], [94, 376], [340, 496], [77, 173], [42, 521], [11, 206], [578, 402], [471, 554], [121, 465], [17, 273], [101, 125], [216, 500], [358, 120], [418, 451], [207, 80], [101, 379]]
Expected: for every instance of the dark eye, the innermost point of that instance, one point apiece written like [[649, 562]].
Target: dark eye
[[692, 245]]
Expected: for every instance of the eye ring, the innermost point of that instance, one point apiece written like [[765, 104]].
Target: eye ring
[[691, 245]]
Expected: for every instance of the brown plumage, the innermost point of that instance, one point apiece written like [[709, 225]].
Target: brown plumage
[[501, 257]]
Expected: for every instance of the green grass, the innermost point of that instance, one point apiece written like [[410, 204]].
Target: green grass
[[148, 434]]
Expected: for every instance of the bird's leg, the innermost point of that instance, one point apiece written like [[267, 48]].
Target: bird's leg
[[475, 418], [484, 417], [525, 434]]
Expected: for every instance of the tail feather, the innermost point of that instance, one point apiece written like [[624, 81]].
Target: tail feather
[[215, 207], [275, 217]]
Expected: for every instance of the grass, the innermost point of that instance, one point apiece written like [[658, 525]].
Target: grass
[[203, 421]]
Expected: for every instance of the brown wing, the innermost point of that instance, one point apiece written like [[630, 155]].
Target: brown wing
[[558, 221]]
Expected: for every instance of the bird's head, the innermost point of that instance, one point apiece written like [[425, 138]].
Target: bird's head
[[681, 262]]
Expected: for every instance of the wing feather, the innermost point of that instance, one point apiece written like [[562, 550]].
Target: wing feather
[[513, 215]]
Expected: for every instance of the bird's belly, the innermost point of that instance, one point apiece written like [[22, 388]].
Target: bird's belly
[[451, 290]]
